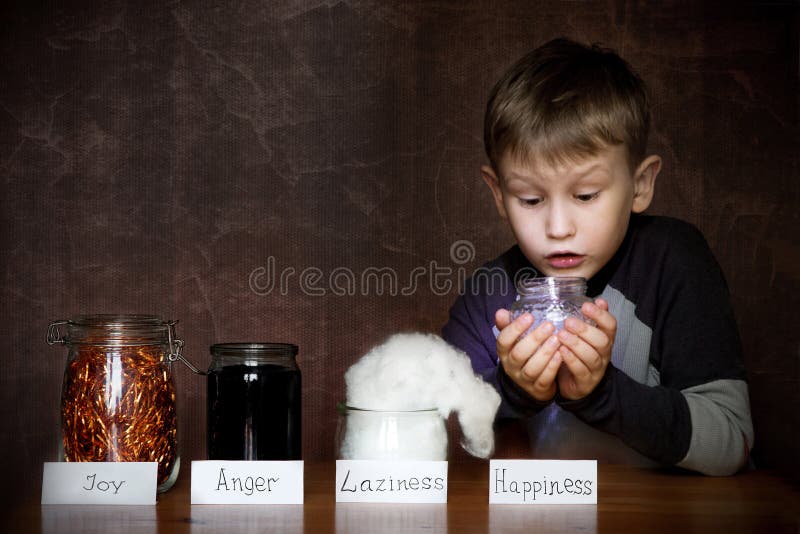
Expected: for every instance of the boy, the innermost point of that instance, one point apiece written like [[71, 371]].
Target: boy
[[659, 378]]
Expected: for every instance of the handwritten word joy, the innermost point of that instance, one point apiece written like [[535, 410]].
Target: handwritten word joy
[[102, 485]]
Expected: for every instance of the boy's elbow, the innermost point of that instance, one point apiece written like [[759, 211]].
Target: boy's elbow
[[727, 466], [725, 459], [722, 435]]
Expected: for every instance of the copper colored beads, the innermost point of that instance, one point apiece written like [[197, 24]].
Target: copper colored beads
[[118, 396]]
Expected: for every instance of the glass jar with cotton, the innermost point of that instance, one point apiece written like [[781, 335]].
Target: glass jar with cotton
[[399, 396], [364, 434]]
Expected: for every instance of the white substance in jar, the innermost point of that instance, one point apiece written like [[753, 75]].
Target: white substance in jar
[[392, 435], [424, 375]]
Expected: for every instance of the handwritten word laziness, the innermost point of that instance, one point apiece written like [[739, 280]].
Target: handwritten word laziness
[[391, 484]]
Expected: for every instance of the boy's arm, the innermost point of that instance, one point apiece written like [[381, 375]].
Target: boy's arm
[[698, 417], [706, 428], [469, 330]]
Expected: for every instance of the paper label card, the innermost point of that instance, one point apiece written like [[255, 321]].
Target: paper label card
[[391, 481], [247, 482], [99, 483], [543, 482]]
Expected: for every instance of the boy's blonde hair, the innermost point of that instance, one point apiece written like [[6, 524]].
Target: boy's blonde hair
[[565, 101]]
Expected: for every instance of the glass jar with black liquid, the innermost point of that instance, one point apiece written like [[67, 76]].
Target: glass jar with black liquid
[[254, 402]]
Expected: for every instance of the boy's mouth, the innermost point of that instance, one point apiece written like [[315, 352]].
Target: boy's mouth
[[564, 260]]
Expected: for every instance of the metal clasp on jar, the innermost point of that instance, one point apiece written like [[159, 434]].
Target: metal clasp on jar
[[175, 347], [54, 334]]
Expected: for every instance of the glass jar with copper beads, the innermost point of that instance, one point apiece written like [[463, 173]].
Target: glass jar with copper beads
[[118, 394]]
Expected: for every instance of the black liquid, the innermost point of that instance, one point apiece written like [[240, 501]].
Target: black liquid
[[254, 413]]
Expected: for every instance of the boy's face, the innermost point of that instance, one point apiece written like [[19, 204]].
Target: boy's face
[[571, 218]]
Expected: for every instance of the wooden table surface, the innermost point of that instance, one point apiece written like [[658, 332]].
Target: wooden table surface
[[630, 500]]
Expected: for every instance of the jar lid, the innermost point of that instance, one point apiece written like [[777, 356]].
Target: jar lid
[[111, 329]]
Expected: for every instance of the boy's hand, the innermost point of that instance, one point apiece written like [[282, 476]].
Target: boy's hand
[[533, 361], [586, 350]]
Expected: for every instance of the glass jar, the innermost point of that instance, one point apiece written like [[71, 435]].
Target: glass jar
[[118, 395], [550, 299], [390, 435], [254, 402]]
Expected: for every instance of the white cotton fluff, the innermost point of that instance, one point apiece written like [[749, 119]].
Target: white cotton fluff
[[410, 372]]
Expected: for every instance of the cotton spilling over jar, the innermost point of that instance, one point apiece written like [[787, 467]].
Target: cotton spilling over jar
[[550, 299], [401, 392], [118, 395]]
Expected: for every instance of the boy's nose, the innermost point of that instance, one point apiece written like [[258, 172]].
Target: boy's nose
[[559, 223]]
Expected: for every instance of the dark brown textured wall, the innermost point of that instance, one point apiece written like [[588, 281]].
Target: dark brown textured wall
[[156, 155]]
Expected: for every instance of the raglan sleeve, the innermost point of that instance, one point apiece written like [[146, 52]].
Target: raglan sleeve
[[698, 415], [470, 328]]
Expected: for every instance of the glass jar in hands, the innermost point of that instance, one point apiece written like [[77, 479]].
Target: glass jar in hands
[[550, 299]]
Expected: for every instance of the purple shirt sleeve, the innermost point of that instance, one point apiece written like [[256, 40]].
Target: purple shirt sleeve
[[470, 328]]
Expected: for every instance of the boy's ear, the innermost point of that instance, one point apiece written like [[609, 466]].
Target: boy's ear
[[644, 183], [491, 179]]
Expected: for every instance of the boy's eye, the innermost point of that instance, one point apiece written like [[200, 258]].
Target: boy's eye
[[529, 202], [586, 197]]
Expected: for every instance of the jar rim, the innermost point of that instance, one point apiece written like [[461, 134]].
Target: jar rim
[[253, 349], [551, 283], [345, 409], [117, 319], [542, 280]]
